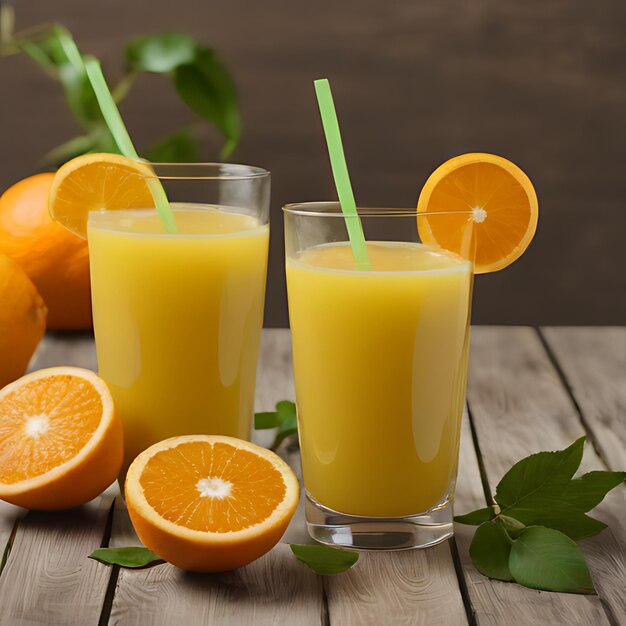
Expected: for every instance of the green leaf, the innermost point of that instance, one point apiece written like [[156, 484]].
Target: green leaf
[[207, 88], [54, 51], [161, 53], [127, 557], [588, 490], [284, 418], [536, 482], [490, 550], [263, 421], [179, 147], [324, 559], [477, 517], [544, 558], [563, 517]]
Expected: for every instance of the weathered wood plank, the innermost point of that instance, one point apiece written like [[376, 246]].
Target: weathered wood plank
[[593, 361], [408, 587], [519, 406], [276, 589], [48, 578], [9, 515]]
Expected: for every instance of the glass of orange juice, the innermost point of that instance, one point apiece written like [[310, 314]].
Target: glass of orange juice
[[178, 317], [380, 364]]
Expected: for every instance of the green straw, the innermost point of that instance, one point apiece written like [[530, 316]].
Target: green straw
[[114, 121], [340, 173]]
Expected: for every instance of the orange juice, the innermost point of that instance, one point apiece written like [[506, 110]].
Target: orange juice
[[380, 361], [178, 319]]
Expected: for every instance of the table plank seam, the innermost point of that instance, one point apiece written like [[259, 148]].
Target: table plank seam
[[591, 437], [325, 616], [484, 479], [7, 549], [107, 603], [589, 432], [458, 568]]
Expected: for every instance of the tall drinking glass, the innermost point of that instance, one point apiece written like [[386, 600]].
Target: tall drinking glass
[[380, 362], [178, 317]]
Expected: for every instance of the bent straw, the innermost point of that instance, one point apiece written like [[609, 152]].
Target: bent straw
[[114, 121], [340, 173]]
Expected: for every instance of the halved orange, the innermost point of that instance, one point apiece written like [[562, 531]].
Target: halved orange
[[209, 503], [60, 439], [488, 210], [98, 182]]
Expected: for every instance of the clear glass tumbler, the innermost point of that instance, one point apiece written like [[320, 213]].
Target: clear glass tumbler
[[380, 363], [178, 317]]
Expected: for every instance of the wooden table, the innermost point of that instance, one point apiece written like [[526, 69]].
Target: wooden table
[[529, 390]]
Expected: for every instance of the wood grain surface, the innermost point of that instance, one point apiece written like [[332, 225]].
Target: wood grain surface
[[48, 578], [519, 406], [542, 83], [593, 361]]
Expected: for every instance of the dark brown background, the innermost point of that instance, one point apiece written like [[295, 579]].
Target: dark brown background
[[415, 82]]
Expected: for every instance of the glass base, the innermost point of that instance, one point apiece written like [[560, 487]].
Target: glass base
[[378, 533]]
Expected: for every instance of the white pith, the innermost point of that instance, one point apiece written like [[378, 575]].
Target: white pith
[[36, 425], [214, 488], [479, 214]]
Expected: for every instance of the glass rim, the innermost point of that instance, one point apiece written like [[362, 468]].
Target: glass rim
[[333, 209], [206, 171]]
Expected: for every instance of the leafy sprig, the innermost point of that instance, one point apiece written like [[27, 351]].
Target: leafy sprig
[[529, 534], [284, 418], [199, 77]]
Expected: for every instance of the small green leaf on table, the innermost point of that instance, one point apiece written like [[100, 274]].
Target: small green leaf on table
[[284, 418], [490, 549], [160, 53], [544, 558], [131, 557], [324, 559]]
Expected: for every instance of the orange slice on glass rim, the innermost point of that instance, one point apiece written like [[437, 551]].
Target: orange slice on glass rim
[[488, 209], [98, 182], [210, 503], [60, 439]]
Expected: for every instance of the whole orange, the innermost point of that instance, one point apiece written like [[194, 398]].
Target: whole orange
[[22, 320], [55, 259]]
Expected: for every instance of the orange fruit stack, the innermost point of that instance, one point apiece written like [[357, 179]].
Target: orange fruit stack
[[22, 320], [60, 439], [210, 503], [55, 259]]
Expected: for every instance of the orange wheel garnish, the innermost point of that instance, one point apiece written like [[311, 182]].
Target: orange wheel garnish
[[492, 208], [98, 182], [60, 439], [210, 503]]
